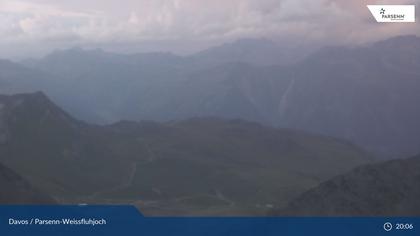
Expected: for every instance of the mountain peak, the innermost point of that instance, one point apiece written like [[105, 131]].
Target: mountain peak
[[38, 96], [240, 45], [409, 42], [250, 42], [34, 107], [75, 52]]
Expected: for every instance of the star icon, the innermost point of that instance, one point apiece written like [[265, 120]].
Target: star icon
[[382, 11]]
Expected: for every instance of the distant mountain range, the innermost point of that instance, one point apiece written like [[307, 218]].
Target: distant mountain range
[[201, 166], [386, 189], [368, 95]]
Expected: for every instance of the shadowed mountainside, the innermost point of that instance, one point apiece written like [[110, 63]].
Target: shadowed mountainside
[[386, 189], [16, 190]]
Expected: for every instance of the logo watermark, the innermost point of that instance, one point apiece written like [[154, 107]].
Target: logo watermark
[[393, 13]]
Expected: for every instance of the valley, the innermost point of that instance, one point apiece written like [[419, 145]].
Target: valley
[[198, 166]]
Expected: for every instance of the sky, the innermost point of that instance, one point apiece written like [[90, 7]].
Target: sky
[[32, 28]]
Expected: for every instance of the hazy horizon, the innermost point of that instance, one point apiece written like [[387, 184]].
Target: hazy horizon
[[33, 28]]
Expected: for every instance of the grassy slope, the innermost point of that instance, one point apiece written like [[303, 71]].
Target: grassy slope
[[198, 166]]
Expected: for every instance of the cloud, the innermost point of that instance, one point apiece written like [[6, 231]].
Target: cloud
[[41, 25]]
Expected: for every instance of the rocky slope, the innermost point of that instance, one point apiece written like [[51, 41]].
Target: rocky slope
[[387, 189], [16, 190]]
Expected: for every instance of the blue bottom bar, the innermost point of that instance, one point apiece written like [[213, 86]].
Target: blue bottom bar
[[127, 220]]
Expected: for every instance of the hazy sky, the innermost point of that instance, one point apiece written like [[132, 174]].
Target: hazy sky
[[35, 27]]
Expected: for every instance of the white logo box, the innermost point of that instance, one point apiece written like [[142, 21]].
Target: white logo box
[[393, 13]]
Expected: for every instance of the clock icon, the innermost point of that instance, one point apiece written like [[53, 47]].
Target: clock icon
[[387, 226]]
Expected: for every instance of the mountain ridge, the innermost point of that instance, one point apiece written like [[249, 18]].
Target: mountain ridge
[[185, 165], [367, 94], [15, 190], [385, 189]]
